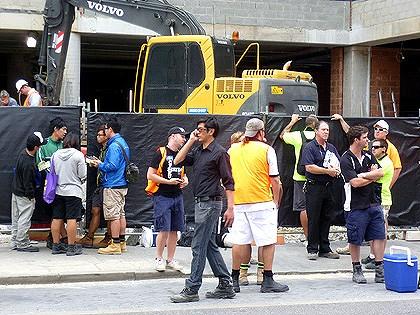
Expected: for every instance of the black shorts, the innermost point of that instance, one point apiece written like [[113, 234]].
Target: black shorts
[[67, 207], [98, 198]]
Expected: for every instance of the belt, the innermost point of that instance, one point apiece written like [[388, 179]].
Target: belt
[[204, 199], [318, 183]]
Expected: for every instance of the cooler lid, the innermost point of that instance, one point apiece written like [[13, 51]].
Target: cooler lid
[[399, 257]]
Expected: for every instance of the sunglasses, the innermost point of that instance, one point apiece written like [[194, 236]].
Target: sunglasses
[[377, 146], [379, 129], [201, 129]]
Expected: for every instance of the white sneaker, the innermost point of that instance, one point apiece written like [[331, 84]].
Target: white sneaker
[[174, 265], [160, 264]]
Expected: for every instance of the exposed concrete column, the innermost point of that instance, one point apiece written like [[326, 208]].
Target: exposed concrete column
[[356, 81], [70, 91]]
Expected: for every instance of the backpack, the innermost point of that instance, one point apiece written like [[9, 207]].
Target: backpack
[[153, 187], [300, 169], [131, 169]]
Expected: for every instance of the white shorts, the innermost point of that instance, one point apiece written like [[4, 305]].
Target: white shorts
[[259, 226]]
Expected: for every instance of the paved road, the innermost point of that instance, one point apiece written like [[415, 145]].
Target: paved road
[[309, 294]]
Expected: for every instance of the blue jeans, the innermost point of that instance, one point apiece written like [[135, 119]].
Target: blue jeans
[[204, 244]]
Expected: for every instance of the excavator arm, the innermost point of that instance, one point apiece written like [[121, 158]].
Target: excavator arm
[[156, 15]]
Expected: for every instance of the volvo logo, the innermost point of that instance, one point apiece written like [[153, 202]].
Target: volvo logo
[[306, 108], [105, 8], [230, 96]]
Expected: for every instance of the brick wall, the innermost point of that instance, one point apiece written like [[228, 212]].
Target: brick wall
[[336, 90], [385, 76]]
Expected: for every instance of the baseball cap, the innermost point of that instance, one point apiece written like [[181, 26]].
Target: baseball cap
[[20, 83], [35, 139], [382, 123], [253, 126], [177, 130]]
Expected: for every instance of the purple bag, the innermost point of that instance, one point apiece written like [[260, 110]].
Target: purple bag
[[51, 182]]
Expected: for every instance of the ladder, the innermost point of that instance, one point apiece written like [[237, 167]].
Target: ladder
[[381, 103]]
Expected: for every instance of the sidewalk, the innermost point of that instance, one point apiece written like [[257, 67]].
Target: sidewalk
[[138, 264]]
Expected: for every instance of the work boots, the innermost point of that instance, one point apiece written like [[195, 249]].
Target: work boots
[[358, 276], [269, 285], [235, 283], [74, 249], [111, 249], [104, 242], [223, 291], [260, 276], [379, 273], [185, 296], [243, 277], [86, 241]]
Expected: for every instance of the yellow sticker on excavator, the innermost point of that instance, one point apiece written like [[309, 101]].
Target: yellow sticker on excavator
[[276, 90]]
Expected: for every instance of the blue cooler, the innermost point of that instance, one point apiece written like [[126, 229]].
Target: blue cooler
[[400, 270]]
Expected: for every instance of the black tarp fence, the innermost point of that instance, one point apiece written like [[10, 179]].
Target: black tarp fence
[[145, 132], [16, 123]]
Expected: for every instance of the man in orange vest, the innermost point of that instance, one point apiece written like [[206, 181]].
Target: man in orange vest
[[258, 191], [32, 96]]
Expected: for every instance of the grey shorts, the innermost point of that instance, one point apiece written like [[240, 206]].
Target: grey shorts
[[299, 201]]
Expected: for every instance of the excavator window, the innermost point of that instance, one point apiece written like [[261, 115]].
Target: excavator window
[[224, 58], [195, 65]]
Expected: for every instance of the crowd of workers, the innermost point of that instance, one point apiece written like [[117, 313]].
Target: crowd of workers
[[246, 175]]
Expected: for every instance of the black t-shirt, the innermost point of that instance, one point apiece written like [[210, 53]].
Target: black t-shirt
[[360, 197], [168, 171], [315, 154]]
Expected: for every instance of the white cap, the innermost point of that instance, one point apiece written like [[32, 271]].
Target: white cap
[[382, 123], [253, 126], [20, 83]]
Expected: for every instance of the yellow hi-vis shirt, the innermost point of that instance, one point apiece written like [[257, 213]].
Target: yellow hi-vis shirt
[[250, 172]]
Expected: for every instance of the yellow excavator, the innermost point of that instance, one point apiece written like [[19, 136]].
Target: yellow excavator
[[183, 70]]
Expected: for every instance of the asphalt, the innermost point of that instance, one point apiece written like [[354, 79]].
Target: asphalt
[[138, 264]]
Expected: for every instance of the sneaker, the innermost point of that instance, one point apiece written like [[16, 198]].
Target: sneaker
[[312, 256], [111, 249], [235, 284], [223, 291], [271, 286], [243, 277], [29, 249], [260, 276], [58, 249], [343, 250], [367, 260], [253, 261], [49, 241], [104, 242], [73, 250], [174, 265], [329, 255], [379, 274], [370, 265], [86, 241], [185, 296], [358, 276], [160, 264], [123, 245]]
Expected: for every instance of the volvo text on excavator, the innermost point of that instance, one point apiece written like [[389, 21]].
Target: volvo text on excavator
[[184, 71]]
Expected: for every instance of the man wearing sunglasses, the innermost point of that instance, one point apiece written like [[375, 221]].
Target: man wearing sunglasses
[[381, 130]]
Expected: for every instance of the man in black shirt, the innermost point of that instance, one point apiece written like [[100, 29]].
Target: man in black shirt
[[364, 216], [168, 203], [211, 166], [23, 194], [322, 166]]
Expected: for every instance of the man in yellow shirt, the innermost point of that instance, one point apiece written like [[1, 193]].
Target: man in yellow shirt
[[258, 192]]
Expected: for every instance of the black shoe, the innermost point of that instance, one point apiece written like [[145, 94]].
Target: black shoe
[[58, 249], [73, 250], [49, 241], [235, 284], [269, 286], [29, 249], [367, 260], [185, 296], [379, 274], [223, 291]]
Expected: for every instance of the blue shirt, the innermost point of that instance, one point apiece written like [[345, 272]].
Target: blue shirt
[[314, 153], [114, 164]]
